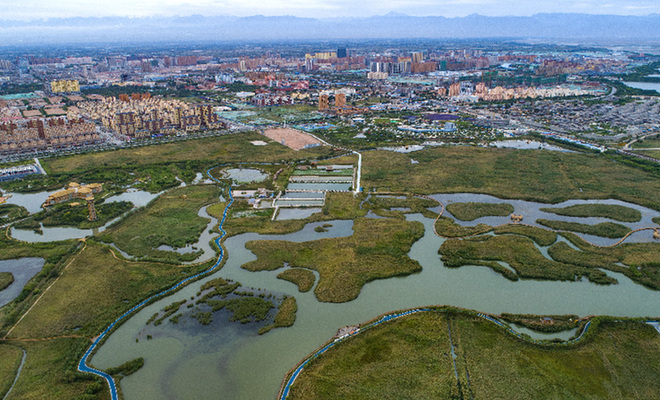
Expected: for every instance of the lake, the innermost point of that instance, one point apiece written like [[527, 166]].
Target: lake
[[644, 85], [230, 360]]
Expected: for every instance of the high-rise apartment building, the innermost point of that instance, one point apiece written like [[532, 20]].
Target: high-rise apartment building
[[323, 102], [340, 100]]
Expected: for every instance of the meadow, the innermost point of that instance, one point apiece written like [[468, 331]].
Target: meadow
[[411, 357]]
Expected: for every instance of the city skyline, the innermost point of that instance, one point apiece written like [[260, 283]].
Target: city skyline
[[40, 9]]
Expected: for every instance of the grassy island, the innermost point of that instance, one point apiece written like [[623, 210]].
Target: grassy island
[[303, 278], [447, 227], [519, 253], [411, 357], [285, 317], [378, 249], [11, 212], [611, 211], [76, 216], [6, 279], [604, 229], [472, 211], [170, 220], [541, 236]]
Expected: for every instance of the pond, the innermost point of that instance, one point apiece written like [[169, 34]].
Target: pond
[[23, 270], [303, 195], [644, 85], [527, 145], [404, 149], [342, 187], [192, 363], [245, 175], [296, 213], [299, 203]]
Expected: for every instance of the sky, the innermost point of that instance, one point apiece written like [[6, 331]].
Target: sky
[[44, 9]]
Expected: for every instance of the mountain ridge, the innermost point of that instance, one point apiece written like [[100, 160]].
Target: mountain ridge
[[388, 26]]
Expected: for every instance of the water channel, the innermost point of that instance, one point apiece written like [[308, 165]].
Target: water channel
[[230, 361], [33, 201], [23, 270]]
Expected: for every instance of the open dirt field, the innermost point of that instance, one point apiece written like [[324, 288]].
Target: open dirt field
[[291, 138]]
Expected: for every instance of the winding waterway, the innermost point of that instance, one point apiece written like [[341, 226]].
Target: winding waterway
[[231, 361], [23, 270]]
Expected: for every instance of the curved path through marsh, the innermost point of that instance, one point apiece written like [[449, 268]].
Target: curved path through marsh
[[295, 371], [83, 364]]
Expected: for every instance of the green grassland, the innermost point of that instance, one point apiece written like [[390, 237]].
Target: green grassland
[[642, 259], [301, 277], [604, 229], [406, 359], [541, 236], [10, 212], [92, 292], [285, 317], [647, 144], [383, 205], [170, 220], [548, 177], [557, 323], [218, 150], [447, 227], [656, 220], [286, 113], [410, 358], [56, 255], [155, 168], [611, 211], [472, 211], [514, 245], [378, 249], [76, 216], [519, 253], [11, 358], [653, 153], [97, 287], [6, 279], [50, 372]]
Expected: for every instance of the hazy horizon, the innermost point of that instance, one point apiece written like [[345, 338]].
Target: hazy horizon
[[27, 10]]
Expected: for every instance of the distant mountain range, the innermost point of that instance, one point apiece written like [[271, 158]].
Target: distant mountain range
[[390, 26]]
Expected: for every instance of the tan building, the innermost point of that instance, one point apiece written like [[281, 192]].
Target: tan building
[[340, 100], [73, 191], [324, 104]]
